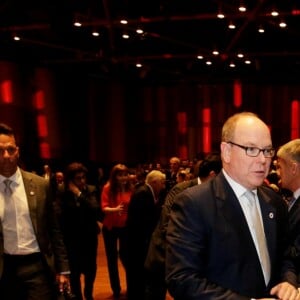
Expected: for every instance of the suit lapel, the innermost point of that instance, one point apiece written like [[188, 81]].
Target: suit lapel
[[230, 207], [30, 190]]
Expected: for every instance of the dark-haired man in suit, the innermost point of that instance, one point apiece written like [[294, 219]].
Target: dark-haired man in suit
[[226, 237], [32, 252]]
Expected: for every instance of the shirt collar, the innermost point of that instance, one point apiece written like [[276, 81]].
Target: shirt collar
[[238, 189], [296, 193], [15, 178]]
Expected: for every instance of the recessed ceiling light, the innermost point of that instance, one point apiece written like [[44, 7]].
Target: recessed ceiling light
[[77, 24], [95, 33], [242, 8], [274, 13], [282, 24], [231, 25]]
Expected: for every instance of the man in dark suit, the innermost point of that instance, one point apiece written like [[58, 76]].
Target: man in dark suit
[[213, 236], [32, 252], [288, 169], [79, 214], [143, 213]]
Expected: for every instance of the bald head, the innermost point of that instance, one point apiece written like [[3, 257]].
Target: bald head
[[244, 134]]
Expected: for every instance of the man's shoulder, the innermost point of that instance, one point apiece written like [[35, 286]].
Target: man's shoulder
[[269, 195], [204, 193], [33, 176], [266, 190], [181, 186], [142, 189]]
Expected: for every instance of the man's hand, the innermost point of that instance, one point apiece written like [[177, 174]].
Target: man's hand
[[63, 283], [74, 188], [285, 291]]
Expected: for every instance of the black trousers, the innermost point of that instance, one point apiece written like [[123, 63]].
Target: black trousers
[[115, 243], [26, 277], [83, 261]]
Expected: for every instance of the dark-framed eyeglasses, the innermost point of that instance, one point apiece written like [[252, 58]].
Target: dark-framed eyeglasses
[[254, 151]]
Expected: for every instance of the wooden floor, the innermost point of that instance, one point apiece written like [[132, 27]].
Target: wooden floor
[[102, 289]]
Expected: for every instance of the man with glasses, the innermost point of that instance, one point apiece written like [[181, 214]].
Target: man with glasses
[[32, 251], [226, 237]]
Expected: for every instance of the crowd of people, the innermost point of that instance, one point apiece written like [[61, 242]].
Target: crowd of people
[[224, 227]]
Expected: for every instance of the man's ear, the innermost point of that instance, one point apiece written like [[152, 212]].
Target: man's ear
[[226, 151], [295, 167]]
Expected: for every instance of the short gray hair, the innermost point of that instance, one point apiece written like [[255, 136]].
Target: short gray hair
[[290, 150]]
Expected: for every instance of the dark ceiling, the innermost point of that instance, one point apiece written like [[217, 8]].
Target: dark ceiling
[[175, 32]]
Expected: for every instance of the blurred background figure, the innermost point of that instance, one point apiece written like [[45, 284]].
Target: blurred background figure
[[140, 177], [59, 178], [181, 176], [47, 172], [79, 215], [143, 213], [171, 174], [115, 199]]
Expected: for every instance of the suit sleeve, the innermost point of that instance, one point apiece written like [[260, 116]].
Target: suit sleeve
[[56, 237]]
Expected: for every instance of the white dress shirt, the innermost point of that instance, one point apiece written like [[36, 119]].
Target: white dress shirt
[[18, 233], [239, 191]]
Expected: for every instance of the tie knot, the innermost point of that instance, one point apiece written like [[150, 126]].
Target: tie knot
[[7, 189], [250, 195]]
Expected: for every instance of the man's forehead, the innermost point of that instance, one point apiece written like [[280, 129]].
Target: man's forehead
[[7, 144]]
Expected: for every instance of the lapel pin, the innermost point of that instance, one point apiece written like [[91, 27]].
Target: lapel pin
[[271, 215], [31, 193]]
